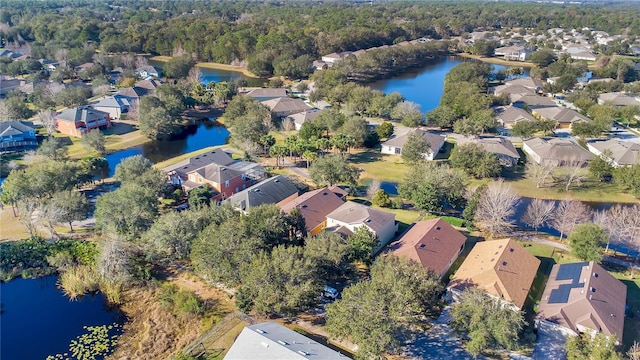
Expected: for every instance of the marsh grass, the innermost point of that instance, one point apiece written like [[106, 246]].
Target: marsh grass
[[79, 280]]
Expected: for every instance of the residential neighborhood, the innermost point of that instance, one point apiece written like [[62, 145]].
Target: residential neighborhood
[[396, 180]]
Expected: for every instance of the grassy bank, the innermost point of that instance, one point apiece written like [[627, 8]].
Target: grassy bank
[[498, 61], [177, 159], [212, 65]]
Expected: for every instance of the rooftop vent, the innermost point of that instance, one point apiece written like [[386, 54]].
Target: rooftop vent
[[261, 331], [504, 263], [303, 353], [264, 344], [437, 227], [595, 275], [197, 158], [368, 220], [511, 249], [422, 246], [276, 180], [325, 193], [592, 289], [304, 206], [282, 342]]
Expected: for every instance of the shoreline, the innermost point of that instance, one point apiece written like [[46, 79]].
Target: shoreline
[[212, 65], [498, 61]]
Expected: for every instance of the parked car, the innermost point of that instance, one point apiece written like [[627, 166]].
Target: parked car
[[330, 293]]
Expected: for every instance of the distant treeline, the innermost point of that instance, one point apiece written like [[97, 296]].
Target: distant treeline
[[269, 32]]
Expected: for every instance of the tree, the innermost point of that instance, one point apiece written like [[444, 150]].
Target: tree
[[541, 173], [498, 328], [634, 351], [154, 121], [586, 129], [377, 313], [331, 170], [600, 167], [95, 140], [408, 113], [629, 178], [584, 347], [131, 168], [71, 206], [384, 130], [329, 251], [568, 214], [443, 116], [53, 148], [475, 160], [586, 241], [573, 172], [431, 187], [282, 282], [495, 208], [538, 213], [373, 188], [543, 57], [524, 129], [178, 67], [357, 128], [48, 120], [414, 149], [475, 124], [381, 199], [201, 196], [128, 211], [361, 245], [14, 108], [72, 97]]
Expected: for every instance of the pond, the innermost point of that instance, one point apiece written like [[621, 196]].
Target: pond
[[217, 75], [198, 135], [425, 85], [38, 320], [521, 208]]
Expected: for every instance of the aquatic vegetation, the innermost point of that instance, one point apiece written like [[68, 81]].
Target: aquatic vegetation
[[96, 343]]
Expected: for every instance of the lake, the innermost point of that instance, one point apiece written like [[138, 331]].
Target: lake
[[38, 320], [217, 75], [425, 85], [198, 135]]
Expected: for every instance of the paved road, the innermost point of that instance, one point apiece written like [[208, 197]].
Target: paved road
[[548, 348]]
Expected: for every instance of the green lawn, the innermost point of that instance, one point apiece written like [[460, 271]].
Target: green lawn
[[378, 166]]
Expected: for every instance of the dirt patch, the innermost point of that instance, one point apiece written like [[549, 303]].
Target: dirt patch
[[10, 227], [154, 331]]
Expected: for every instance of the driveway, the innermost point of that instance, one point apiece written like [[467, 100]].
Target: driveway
[[438, 342], [548, 348]]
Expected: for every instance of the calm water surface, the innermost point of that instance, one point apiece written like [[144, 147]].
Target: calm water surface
[[196, 136], [37, 320], [216, 75], [425, 86]]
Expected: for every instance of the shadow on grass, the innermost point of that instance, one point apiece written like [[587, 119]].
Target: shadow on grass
[[364, 157], [119, 128]]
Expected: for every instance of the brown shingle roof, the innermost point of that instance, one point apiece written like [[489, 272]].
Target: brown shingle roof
[[623, 153], [562, 115], [314, 206], [584, 294], [435, 140], [431, 243], [511, 115], [496, 145], [502, 268], [286, 104]]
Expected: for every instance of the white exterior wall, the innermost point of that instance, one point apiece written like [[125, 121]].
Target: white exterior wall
[[531, 153], [385, 235], [391, 150], [114, 113]]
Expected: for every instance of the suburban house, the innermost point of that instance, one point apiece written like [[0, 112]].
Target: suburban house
[[515, 92], [528, 82], [435, 244], [582, 298], [78, 121], [320, 65], [52, 65], [314, 207], [513, 53], [580, 53], [285, 106], [114, 105], [272, 341], [302, 117], [563, 117], [274, 190], [17, 136], [264, 94], [133, 93], [623, 153], [509, 115], [333, 57], [502, 268], [500, 146], [394, 145], [619, 99], [534, 102], [148, 71], [351, 215], [149, 84], [7, 85], [556, 150], [215, 168], [83, 67]]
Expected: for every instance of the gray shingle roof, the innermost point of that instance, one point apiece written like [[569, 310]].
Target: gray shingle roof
[[353, 213], [435, 140], [213, 157], [270, 191], [512, 114], [624, 153], [81, 114], [10, 128]]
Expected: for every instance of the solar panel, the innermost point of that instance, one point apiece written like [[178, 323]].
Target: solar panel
[[571, 271]]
